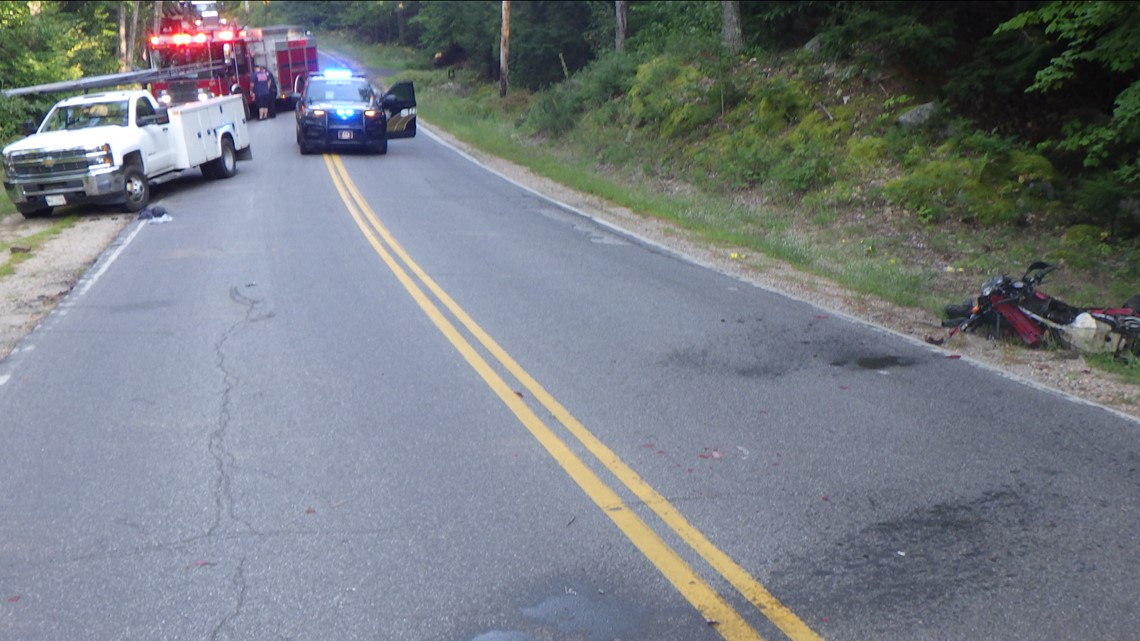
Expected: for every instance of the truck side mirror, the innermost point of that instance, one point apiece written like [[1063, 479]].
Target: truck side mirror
[[29, 127]]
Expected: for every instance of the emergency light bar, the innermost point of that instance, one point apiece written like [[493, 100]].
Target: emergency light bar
[[182, 39]]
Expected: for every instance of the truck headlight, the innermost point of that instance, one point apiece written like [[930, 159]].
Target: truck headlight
[[100, 156]]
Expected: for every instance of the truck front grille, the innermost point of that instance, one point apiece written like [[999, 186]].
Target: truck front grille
[[35, 164]]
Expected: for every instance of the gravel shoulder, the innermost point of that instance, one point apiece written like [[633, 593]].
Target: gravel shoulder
[[41, 281]]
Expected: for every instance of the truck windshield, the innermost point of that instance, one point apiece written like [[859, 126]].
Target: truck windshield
[[92, 114]]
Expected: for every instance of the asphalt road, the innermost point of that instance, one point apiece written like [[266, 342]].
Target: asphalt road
[[398, 397]]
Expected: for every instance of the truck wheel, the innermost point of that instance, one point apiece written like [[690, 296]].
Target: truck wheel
[[224, 166], [136, 189]]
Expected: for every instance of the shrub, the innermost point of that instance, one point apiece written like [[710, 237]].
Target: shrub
[[672, 97], [555, 110]]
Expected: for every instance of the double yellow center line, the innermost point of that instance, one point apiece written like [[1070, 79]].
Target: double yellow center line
[[719, 613]]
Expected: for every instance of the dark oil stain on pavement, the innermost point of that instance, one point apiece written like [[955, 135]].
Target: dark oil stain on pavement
[[921, 561]]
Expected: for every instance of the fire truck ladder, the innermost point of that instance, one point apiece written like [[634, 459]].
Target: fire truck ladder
[[118, 79]]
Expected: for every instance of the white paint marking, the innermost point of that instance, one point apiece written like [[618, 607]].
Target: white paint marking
[[89, 281]]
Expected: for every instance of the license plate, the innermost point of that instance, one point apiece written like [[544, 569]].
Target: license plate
[[344, 135], [56, 201]]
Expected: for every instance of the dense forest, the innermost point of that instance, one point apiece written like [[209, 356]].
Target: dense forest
[[1044, 95]]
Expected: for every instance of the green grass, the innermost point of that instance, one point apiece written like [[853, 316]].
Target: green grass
[[31, 242], [843, 231], [1126, 369]]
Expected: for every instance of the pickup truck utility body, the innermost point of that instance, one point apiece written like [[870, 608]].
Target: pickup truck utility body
[[109, 148]]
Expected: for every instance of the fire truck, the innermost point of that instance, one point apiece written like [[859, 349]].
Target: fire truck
[[188, 37], [290, 53]]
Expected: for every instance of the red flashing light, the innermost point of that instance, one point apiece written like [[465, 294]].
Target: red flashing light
[[225, 35], [154, 40], [180, 38], [201, 38]]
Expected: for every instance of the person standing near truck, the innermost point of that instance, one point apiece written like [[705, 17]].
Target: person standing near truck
[[262, 87]]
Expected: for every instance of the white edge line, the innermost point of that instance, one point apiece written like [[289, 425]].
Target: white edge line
[[934, 349], [105, 263]]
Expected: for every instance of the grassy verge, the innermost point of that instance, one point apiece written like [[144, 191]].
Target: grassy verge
[[29, 244], [834, 231]]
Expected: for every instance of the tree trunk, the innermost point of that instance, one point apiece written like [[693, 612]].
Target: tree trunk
[[123, 36], [621, 14], [730, 26], [132, 33], [157, 16], [400, 22], [504, 42]]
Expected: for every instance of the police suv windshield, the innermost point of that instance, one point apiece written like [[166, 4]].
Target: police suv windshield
[[333, 90]]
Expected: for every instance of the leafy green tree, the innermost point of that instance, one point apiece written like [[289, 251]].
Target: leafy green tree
[[470, 29], [548, 40], [659, 27], [1097, 40]]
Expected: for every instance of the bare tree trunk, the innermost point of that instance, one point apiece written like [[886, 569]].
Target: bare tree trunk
[[504, 46], [132, 33], [730, 26], [122, 36], [400, 23], [621, 13]]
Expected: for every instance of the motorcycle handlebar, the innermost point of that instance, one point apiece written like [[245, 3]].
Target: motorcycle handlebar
[[1041, 268]]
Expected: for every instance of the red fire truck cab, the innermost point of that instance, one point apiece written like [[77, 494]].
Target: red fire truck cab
[[226, 51]]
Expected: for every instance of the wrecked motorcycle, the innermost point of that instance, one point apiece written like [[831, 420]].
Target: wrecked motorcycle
[[1014, 307]]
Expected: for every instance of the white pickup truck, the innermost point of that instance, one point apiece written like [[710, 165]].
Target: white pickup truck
[[110, 148]]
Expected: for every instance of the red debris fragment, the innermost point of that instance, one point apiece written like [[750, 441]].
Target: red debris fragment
[[310, 510], [519, 394], [825, 499], [820, 316], [14, 598], [954, 356]]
